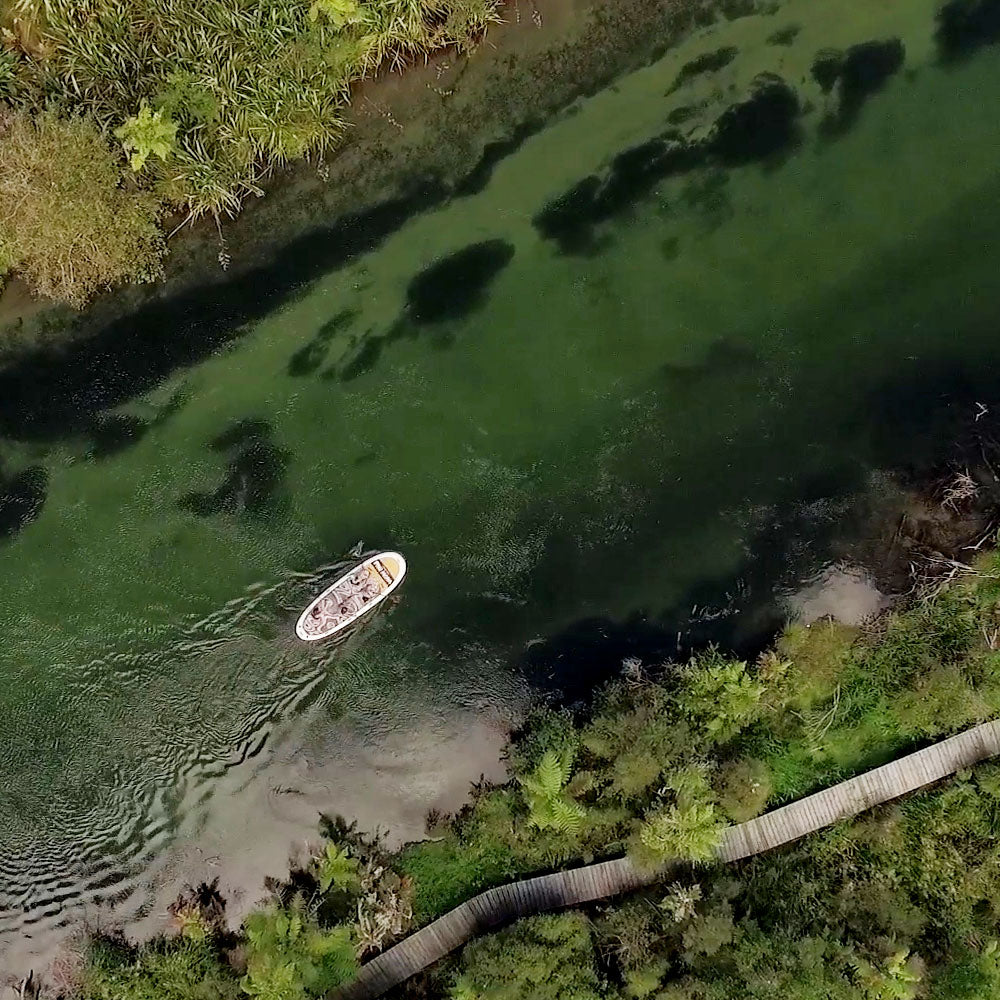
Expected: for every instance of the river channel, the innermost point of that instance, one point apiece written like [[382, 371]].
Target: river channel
[[606, 397]]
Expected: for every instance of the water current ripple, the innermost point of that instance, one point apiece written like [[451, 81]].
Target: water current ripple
[[176, 715]]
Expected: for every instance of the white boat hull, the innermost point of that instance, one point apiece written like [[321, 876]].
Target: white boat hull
[[351, 596]]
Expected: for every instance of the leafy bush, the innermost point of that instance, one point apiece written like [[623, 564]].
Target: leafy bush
[[289, 956], [148, 133], [180, 969], [819, 654], [550, 806], [541, 958], [744, 786], [721, 695], [679, 833], [336, 870], [970, 976], [66, 223], [446, 872]]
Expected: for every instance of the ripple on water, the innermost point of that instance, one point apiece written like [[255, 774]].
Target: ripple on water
[[176, 716]]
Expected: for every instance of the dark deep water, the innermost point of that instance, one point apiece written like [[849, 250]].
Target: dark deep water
[[638, 375]]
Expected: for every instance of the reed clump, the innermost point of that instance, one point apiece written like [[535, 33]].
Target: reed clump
[[66, 223]]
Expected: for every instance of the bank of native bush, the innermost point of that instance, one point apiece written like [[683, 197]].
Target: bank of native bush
[[900, 902], [662, 761], [193, 101]]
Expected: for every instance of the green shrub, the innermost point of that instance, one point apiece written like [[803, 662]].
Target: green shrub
[[290, 957], [66, 223], [721, 695], [148, 133], [541, 958], [180, 969], [446, 873], [819, 655], [708, 932], [690, 832], [941, 702], [550, 806], [336, 870], [645, 980], [743, 788], [970, 976]]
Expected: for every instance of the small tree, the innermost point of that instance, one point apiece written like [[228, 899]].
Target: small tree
[[541, 958], [550, 806], [721, 695], [679, 833]]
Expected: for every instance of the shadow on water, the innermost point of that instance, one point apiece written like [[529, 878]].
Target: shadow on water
[[453, 287], [858, 74], [254, 479], [310, 358], [54, 393], [736, 612], [922, 419], [761, 129], [447, 291], [22, 497], [112, 433], [964, 26], [494, 153]]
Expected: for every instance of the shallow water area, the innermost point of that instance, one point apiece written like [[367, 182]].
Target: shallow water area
[[604, 402]]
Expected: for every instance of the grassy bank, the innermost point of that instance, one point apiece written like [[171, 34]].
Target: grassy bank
[[657, 766], [176, 105]]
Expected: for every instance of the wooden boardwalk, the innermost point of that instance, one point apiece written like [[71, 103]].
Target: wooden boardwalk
[[609, 878]]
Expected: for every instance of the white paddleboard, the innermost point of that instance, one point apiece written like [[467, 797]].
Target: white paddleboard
[[350, 597]]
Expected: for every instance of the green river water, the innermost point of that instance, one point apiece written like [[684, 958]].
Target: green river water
[[594, 415]]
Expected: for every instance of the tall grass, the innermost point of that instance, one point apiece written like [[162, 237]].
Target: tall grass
[[252, 84]]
